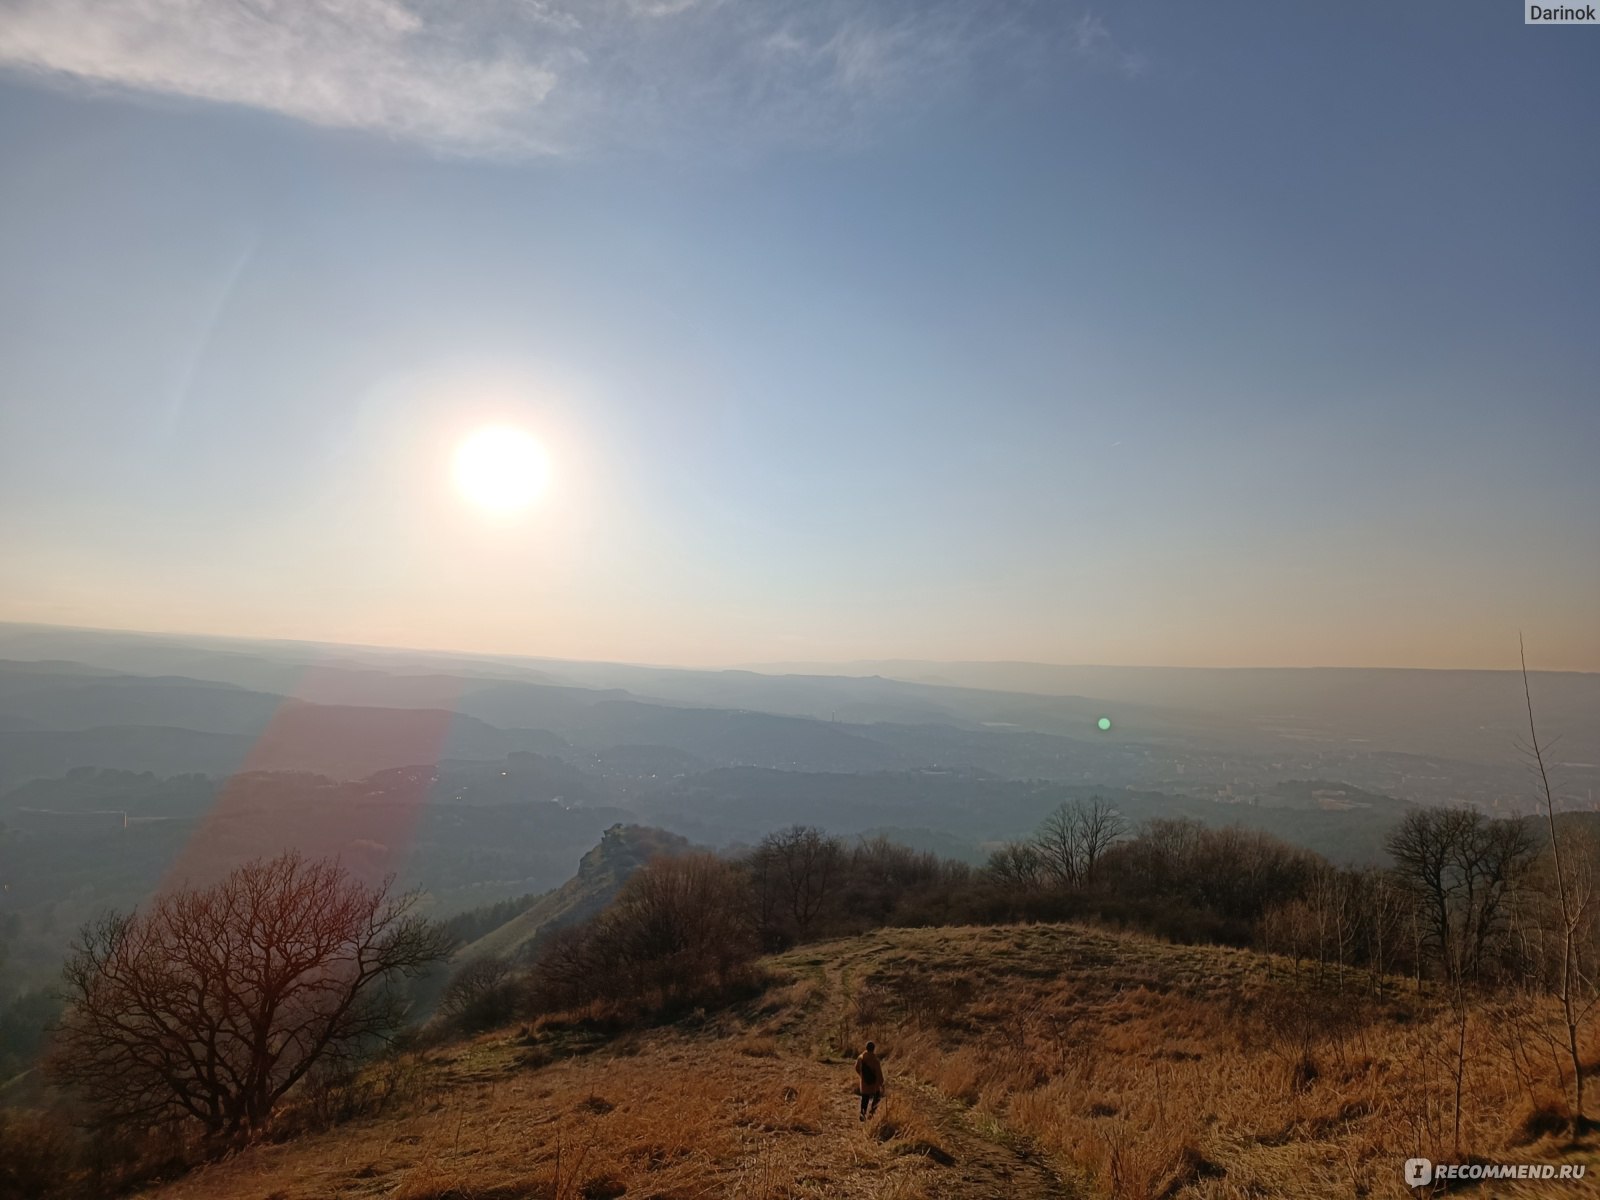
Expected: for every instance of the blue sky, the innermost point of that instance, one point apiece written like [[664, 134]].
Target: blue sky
[[1149, 333]]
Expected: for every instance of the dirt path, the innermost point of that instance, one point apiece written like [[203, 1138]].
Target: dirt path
[[918, 1144], [988, 1167], [967, 1155]]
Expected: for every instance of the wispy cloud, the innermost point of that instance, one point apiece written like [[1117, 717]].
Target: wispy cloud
[[1092, 39], [382, 65], [520, 77]]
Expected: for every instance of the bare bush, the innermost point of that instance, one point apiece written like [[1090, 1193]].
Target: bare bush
[[483, 993], [1016, 865], [676, 934], [34, 1150]]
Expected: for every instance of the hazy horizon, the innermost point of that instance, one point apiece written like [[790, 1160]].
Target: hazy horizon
[[820, 666]]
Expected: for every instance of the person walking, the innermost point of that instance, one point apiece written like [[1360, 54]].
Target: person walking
[[869, 1077]]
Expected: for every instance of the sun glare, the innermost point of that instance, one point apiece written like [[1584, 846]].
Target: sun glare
[[501, 469]]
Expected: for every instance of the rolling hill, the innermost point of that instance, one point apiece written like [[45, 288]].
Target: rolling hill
[[1043, 1062]]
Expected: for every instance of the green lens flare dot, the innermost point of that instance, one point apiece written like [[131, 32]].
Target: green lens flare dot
[[1104, 723]]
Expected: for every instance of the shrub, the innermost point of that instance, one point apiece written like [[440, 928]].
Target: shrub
[[482, 994], [35, 1152], [675, 937]]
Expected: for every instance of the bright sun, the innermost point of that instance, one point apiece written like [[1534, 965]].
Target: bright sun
[[500, 468]]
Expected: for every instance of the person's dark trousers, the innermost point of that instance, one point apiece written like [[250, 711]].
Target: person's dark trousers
[[869, 1104]]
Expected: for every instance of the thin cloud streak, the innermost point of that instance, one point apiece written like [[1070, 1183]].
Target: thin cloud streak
[[520, 78], [226, 288]]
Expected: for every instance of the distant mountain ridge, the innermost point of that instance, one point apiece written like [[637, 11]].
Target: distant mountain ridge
[[1426, 736]]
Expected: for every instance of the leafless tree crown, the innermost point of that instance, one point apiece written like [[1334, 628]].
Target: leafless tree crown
[[214, 1002]]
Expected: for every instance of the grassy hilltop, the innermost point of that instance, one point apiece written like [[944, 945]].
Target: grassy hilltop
[[1023, 1061]]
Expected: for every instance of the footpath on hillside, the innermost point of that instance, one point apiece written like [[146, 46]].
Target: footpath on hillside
[[751, 1104]]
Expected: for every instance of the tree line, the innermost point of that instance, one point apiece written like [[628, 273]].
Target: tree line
[[1470, 899]]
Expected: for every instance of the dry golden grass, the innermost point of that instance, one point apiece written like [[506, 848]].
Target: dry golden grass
[[673, 1116], [1152, 1070], [1040, 1061]]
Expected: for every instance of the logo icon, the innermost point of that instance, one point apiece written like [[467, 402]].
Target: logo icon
[[1419, 1172]]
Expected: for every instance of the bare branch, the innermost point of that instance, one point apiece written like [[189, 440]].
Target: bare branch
[[215, 1002]]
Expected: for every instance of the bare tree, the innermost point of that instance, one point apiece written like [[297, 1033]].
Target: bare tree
[[767, 899], [880, 875], [1421, 848], [1574, 895], [216, 1001], [1071, 840], [1463, 868], [1056, 842], [1388, 916], [804, 866], [1099, 827], [1288, 929], [1334, 898]]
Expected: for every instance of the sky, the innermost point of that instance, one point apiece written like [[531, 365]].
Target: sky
[[1224, 334]]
